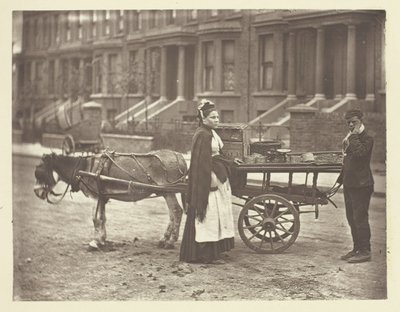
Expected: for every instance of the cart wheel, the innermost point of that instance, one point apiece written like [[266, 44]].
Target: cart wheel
[[269, 224], [68, 145], [253, 230]]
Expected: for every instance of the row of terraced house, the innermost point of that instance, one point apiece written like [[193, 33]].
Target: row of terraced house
[[147, 64]]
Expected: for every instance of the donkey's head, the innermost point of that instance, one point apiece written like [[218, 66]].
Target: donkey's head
[[46, 177]]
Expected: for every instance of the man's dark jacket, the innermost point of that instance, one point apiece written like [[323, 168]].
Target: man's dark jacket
[[356, 171]]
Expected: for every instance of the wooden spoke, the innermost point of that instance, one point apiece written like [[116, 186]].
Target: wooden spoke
[[274, 208], [252, 236], [252, 226], [271, 240], [266, 209], [285, 221], [263, 239], [258, 210], [282, 213], [284, 218], [284, 230], [254, 217], [279, 236]]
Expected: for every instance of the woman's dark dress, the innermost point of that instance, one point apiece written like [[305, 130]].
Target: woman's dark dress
[[201, 165]]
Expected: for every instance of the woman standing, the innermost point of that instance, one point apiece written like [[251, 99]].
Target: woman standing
[[209, 227]]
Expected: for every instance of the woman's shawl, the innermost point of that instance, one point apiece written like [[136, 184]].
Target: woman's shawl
[[200, 172]]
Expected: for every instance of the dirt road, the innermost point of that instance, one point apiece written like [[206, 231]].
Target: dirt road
[[51, 260]]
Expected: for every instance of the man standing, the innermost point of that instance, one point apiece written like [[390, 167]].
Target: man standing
[[358, 185]]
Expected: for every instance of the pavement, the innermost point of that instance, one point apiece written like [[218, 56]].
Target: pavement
[[325, 180]]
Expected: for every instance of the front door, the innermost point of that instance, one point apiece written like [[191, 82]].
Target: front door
[[172, 72], [305, 62], [189, 72], [335, 62]]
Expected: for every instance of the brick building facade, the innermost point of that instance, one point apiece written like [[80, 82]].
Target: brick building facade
[[164, 61]]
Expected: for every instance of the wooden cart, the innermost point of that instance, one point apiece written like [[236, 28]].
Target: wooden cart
[[269, 220], [83, 136]]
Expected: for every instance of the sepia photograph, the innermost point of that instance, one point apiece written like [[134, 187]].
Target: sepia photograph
[[198, 154]]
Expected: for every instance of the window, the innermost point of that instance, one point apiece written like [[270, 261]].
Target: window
[[27, 82], [75, 68], [112, 73], [139, 19], [98, 74], [133, 72], [21, 76], [193, 15], [25, 36], [88, 75], [94, 24], [135, 20], [75, 79], [120, 21], [285, 61], [46, 32], [155, 65], [170, 17], [111, 113], [208, 73], [64, 75], [51, 77], [227, 116], [228, 57], [38, 77], [36, 33], [80, 22], [152, 18], [57, 29], [267, 55], [213, 12], [68, 27], [107, 22]]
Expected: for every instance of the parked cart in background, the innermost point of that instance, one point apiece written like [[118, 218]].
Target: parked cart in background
[[85, 135]]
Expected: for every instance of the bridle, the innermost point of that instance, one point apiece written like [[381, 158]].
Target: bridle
[[62, 195]]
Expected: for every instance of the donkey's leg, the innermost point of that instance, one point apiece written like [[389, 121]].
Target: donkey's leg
[[99, 222], [167, 234], [175, 216]]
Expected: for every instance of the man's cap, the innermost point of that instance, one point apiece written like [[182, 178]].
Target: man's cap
[[353, 113]]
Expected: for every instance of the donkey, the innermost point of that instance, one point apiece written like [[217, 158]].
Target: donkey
[[159, 168]]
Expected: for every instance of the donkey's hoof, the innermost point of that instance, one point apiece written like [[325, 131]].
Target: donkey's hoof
[[168, 245], [93, 246], [161, 244]]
